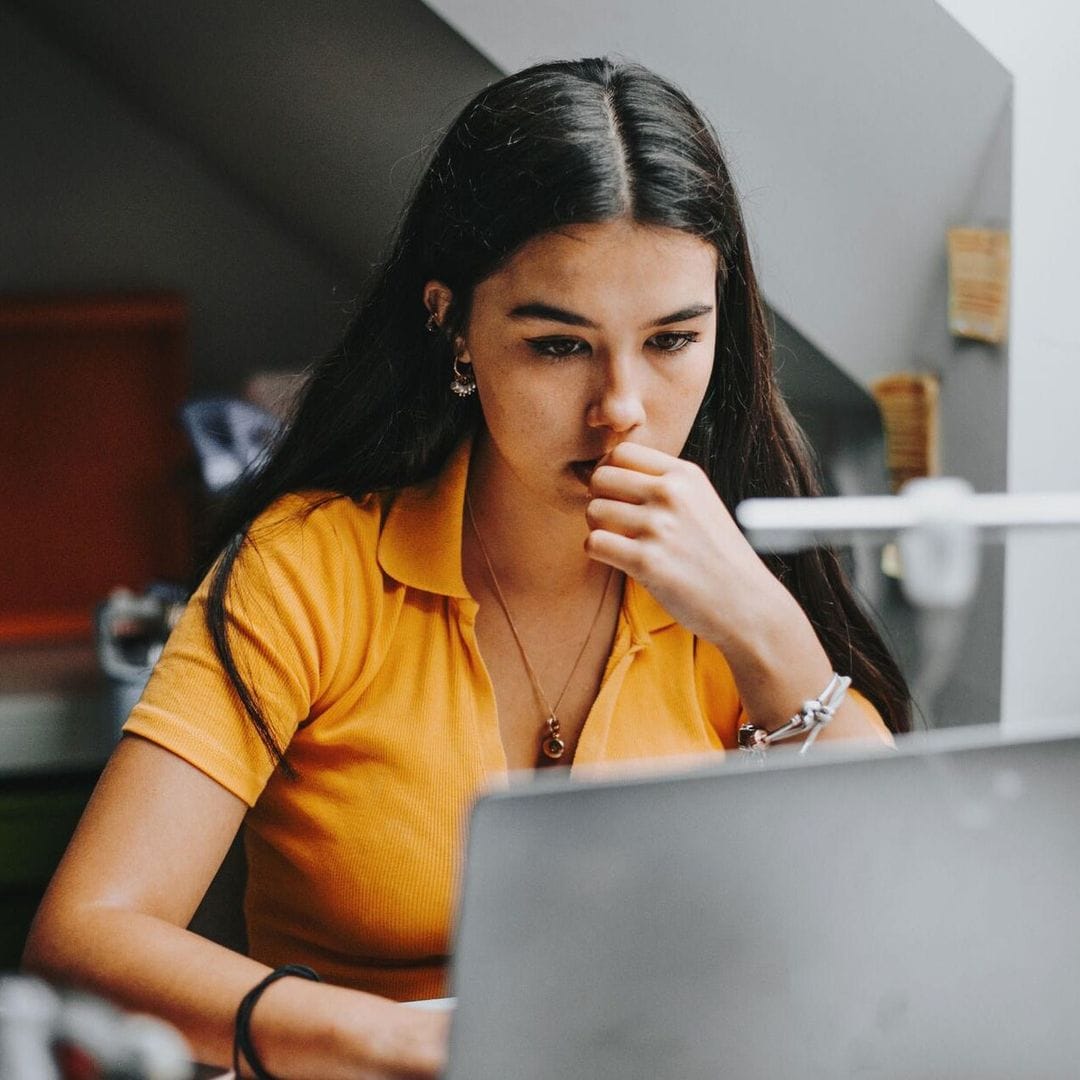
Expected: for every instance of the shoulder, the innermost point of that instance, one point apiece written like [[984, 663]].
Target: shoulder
[[305, 580], [316, 515], [307, 556], [314, 529]]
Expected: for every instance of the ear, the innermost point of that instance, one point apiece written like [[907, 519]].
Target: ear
[[437, 299]]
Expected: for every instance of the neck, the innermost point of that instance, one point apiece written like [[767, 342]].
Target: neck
[[534, 545]]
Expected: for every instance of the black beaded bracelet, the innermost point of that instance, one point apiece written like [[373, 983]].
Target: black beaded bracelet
[[242, 1034]]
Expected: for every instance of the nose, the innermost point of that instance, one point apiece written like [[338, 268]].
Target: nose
[[617, 403]]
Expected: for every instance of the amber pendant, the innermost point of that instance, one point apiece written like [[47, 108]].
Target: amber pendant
[[553, 747]]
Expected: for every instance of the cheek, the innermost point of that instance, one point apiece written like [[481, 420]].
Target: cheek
[[684, 396], [525, 405]]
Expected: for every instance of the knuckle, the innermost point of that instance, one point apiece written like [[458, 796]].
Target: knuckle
[[665, 527], [645, 560], [669, 489]]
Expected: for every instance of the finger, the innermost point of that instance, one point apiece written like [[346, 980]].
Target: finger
[[630, 519], [645, 459], [615, 550], [624, 485]]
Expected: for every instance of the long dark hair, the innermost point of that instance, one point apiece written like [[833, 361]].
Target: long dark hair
[[561, 143]]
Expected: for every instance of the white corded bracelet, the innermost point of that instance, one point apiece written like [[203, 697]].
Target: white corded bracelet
[[809, 720]]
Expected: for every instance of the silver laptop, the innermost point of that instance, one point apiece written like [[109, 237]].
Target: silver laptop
[[894, 914]]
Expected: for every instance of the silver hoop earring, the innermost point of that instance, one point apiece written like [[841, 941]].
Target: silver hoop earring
[[463, 383]]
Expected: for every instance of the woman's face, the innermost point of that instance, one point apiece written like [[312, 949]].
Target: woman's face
[[588, 337]]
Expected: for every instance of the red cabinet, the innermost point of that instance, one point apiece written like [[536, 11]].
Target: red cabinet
[[94, 469]]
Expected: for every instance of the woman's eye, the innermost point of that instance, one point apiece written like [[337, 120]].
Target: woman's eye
[[672, 340], [558, 348]]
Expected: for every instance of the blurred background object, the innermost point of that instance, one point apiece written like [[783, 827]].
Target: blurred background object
[[909, 410], [229, 436], [131, 631], [939, 524], [979, 265], [93, 457]]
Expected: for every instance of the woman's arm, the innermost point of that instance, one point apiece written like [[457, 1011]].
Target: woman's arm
[[113, 921], [658, 519]]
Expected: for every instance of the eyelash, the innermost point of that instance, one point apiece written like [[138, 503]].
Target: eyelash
[[549, 348]]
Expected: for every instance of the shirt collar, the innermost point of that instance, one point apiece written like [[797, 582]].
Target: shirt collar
[[644, 612], [420, 544]]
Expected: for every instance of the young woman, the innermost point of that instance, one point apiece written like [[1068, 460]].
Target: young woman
[[496, 536]]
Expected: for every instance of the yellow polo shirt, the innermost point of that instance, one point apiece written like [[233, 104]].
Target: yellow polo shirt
[[353, 625]]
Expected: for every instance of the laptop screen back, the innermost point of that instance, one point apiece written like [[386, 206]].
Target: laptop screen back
[[909, 914]]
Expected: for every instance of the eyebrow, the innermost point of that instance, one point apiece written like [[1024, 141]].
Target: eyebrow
[[538, 310]]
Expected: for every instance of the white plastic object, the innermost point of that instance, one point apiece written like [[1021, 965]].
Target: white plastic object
[[938, 521], [939, 557]]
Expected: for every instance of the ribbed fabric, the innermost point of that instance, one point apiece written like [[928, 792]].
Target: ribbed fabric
[[354, 626]]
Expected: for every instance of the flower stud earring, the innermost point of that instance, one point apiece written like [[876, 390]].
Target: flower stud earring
[[463, 383]]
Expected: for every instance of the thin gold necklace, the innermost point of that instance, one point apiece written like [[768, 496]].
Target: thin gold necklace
[[552, 743]]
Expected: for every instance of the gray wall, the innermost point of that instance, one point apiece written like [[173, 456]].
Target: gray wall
[[96, 198], [974, 443], [253, 155]]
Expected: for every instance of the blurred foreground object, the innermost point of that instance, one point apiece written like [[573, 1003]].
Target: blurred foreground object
[[909, 411], [979, 261], [46, 1035]]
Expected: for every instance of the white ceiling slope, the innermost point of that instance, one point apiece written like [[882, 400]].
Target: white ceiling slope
[[857, 131], [318, 111]]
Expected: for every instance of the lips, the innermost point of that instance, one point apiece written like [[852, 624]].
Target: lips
[[583, 470]]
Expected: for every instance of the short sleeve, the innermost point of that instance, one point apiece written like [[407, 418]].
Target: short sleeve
[[286, 612]]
